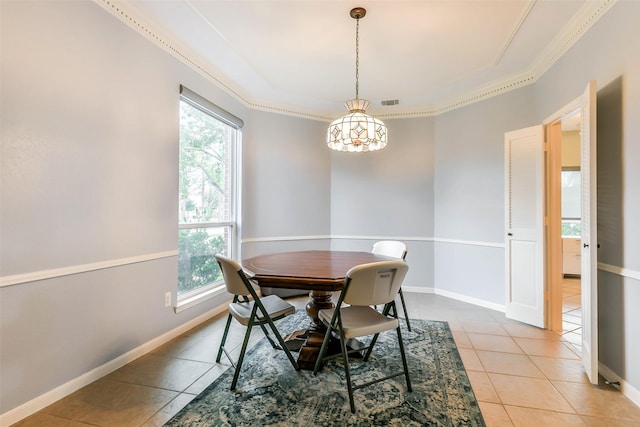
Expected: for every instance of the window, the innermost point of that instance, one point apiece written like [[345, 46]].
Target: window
[[571, 202], [208, 193]]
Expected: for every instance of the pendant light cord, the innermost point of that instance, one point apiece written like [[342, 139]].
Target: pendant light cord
[[357, 55]]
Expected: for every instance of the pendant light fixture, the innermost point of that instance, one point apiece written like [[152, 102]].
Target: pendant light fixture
[[357, 131]]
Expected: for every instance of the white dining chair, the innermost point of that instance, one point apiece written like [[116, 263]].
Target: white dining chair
[[259, 311], [396, 249], [365, 285]]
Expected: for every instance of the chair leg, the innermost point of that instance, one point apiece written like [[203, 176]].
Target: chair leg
[[370, 347], [266, 334], [385, 311], [224, 339], [323, 350], [404, 358], [345, 359], [404, 308], [241, 357], [282, 344]]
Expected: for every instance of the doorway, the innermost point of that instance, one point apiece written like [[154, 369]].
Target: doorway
[[531, 161], [572, 312], [571, 213]]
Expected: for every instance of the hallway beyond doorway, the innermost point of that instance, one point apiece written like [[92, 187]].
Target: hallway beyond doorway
[[572, 312]]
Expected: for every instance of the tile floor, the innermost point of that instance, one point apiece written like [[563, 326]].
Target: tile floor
[[572, 312], [521, 376]]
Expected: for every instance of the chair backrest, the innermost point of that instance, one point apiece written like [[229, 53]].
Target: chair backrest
[[374, 283], [234, 278], [391, 248]]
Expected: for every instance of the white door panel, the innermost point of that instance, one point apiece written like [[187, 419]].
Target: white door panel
[[523, 274], [589, 255], [524, 215]]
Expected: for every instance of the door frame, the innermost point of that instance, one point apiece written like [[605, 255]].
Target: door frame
[[554, 258], [588, 277], [553, 224]]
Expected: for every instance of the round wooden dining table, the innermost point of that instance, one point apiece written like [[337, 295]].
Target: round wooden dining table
[[320, 272]]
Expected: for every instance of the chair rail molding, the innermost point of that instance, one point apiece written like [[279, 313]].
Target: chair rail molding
[[378, 237], [18, 279], [282, 238], [620, 271]]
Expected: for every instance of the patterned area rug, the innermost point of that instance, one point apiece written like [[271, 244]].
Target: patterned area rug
[[271, 393]]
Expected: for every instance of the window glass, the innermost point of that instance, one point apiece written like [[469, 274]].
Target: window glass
[[207, 195], [571, 203]]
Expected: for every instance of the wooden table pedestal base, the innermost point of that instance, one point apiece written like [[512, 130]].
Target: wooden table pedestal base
[[309, 341]]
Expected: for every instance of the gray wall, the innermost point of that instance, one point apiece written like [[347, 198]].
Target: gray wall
[[469, 194], [388, 194], [285, 183], [468, 184], [608, 53], [89, 174]]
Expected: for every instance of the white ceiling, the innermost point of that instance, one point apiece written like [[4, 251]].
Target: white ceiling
[[298, 56]]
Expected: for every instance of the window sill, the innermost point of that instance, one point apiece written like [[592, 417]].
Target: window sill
[[186, 303]]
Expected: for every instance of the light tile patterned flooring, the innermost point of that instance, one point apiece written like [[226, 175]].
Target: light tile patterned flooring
[[521, 375], [572, 312]]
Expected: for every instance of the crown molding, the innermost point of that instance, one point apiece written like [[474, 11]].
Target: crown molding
[[577, 27], [287, 111], [590, 13], [128, 16]]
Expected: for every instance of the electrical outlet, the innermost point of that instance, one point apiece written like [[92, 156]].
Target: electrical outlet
[[167, 299]]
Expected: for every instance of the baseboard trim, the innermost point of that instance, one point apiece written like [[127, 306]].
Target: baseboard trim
[[628, 390], [46, 399], [418, 289], [471, 300], [453, 295]]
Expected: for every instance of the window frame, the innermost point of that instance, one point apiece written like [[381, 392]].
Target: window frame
[[205, 292], [567, 219]]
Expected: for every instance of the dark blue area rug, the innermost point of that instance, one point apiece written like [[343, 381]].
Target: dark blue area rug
[[271, 393]]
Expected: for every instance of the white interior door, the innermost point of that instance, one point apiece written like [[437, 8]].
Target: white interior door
[[589, 255], [524, 216]]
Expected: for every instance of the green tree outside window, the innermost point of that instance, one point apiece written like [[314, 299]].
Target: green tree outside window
[[205, 198]]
